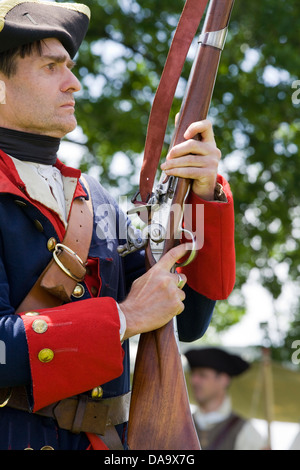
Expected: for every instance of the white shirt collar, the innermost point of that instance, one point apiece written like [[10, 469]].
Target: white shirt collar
[[208, 420], [44, 183]]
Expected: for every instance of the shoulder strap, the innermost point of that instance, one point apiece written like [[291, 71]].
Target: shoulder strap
[[233, 421], [185, 32], [67, 268]]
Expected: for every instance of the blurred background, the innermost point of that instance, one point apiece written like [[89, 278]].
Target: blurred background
[[256, 116]]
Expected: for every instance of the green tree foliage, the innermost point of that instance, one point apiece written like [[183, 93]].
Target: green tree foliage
[[255, 112]]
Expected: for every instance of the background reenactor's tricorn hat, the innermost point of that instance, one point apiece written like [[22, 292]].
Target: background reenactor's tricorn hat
[[26, 21], [217, 359]]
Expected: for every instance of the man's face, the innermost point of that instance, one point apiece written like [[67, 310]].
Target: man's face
[[208, 385], [39, 97]]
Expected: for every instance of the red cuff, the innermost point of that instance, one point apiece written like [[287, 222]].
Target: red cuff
[[73, 348], [212, 273]]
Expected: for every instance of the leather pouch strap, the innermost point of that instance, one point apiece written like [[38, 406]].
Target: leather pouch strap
[[78, 414], [90, 415], [112, 439], [54, 286], [77, 239]]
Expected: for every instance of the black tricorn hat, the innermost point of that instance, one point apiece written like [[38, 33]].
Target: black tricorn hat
[[217, 359], [26, 21]]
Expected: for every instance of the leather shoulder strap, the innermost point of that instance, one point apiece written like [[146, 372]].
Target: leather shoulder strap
[[232, 425], [185, 32], [67, 268]]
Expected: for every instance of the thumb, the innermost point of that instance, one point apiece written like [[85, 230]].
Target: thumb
[[172, 256]]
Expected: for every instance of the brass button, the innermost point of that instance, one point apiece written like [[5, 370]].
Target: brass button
[[40, 326], [38, 225], [32, 314], [97, 392], [28, 448], [46, 355], [78, 291], [46, 448], [51, 244]]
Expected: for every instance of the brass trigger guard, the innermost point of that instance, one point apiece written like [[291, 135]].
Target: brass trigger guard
[[192, 253]]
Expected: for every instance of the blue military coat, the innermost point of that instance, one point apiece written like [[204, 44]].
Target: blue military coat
[[25, 229]]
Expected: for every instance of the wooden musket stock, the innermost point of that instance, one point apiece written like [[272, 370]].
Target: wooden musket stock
[[160, 416]]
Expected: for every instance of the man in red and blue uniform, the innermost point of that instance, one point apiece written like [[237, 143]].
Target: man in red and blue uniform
[[81, 348]]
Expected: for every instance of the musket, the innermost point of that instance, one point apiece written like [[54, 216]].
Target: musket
[[160, 416]]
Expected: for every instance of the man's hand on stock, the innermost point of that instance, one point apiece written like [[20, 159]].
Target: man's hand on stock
[[156, 297]]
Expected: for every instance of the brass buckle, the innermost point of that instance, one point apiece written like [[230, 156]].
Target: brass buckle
[[58, 248]]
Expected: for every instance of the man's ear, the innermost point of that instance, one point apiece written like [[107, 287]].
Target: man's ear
[[2, 92]]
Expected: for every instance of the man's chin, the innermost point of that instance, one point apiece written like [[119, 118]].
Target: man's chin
[[64, 129]]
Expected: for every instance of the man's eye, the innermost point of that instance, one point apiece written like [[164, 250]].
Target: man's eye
[[51, 66]]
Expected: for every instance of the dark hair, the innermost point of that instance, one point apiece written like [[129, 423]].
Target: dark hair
[[8, 63]]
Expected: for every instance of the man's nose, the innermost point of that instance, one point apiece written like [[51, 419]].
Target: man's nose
[[71, 82]]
